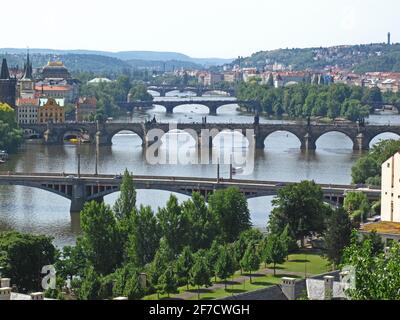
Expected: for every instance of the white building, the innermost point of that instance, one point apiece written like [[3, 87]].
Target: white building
[[390, 206], [27, 110]]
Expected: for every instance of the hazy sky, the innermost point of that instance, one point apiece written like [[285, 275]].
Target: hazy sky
[[203, 28]]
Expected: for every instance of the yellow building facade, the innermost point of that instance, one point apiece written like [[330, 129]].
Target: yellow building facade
[[51, 112]]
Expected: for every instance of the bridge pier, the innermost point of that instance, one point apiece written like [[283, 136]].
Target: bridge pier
[[360, 143], [50, 137], [308, 143], [102, 139], [170, 110], [213, 111]]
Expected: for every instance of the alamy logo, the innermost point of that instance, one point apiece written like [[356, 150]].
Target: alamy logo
[[49, 280], [234, 148]]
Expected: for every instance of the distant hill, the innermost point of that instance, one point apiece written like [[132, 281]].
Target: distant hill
[[127, 55], [359, 58]]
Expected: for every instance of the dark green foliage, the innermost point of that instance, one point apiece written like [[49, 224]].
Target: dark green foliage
[[168, 282], [139, 93], [337, 235], [22, 257], [368, 168], [101, 239], [275, 250], [230, 208], [184, 264], [225, 264], [144, 237], [299, 206], [200, 274], [317, 100], [377, 275], [203, 223], [10, 135], [90, 288], [174, 225], [251, 259]]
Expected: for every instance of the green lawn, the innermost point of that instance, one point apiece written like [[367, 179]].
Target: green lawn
[[310, 263], [300, 263]]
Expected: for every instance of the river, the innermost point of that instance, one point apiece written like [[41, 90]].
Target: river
[[40, 212]]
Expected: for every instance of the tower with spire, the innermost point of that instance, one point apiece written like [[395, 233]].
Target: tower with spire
[[27, 83], [8, 85]]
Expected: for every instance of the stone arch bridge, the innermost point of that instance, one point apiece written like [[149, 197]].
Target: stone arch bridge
[[199, 91], [102, 133], [170, 105]]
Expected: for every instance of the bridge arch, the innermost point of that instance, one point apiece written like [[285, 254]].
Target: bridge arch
[[64, 191], [111, 135], [172, 109], [293, 137], [340, 134], [179, 137], [387, 135]]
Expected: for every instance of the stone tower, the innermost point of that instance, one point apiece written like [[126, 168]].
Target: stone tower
[[8, 85], [27, 84]]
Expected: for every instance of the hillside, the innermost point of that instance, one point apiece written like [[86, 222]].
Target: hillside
[[360, 58], [126, 55]]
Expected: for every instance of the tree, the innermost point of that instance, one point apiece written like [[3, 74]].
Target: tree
[[126, 202], [368, 168], [90, 286], [164, 256], [225, 264], [101, 241], [22, 257], [245, 238], [174, 225], [10, 135], [126, 282], [275, 250], [251, 260], [200, 274], [233, 216], [139, 93], [301, 207], [202, 222], [288, 240], [357, 206], [212, 257], [144, 238], [373, 95], [377, 277], [184, 264], [377, 244], [167, 283], [337, 235]]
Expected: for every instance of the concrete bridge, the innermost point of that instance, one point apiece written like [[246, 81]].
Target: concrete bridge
[[170, 105], [94, 188], [102, 133], [199, 91]]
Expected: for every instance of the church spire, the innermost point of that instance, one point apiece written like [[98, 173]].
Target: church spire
[[5, 73], [28, 68]]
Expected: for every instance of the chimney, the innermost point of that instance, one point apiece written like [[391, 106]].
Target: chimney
[[288, 288], [121, 298], [5, 283], [5, 293], [37, 296], [328, 282]]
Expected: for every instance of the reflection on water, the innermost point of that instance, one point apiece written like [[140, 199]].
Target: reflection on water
[[37, 211]]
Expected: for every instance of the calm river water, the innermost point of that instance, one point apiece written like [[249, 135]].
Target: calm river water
[[32, 210]]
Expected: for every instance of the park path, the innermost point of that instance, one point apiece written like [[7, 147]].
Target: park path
[[187, 295]]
